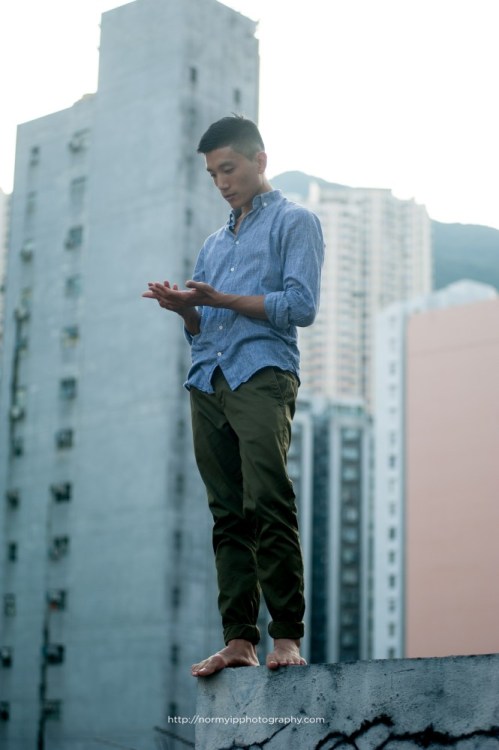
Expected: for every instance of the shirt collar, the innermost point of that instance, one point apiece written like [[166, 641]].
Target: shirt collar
[[259, 201]]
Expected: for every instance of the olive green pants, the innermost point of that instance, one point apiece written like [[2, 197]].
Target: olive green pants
[[241, 440]]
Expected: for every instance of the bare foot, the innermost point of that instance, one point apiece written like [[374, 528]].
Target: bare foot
[[286, 653], [238, 653]]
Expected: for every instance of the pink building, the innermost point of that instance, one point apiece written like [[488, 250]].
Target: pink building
[[452, 481]]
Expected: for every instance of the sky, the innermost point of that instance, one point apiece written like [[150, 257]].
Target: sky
[[398, 94]]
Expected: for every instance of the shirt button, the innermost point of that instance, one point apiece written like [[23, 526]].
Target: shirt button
[[232, 269], [264, 204], [237, 242], [220, 328], [219, 354]]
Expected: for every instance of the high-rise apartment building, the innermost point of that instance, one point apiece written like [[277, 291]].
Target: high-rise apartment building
[[330, 463], [452, 481], [378, 251], [4, 206], [107, 581], [436, 474]]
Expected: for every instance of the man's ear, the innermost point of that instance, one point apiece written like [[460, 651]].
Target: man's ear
[[261, 158]]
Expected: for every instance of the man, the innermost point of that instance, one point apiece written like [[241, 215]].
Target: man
[[255, 280]]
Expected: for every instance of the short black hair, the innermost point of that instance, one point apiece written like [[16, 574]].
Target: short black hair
[[235, 131]]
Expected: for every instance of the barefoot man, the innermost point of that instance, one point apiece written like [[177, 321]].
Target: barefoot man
[[256, 279]]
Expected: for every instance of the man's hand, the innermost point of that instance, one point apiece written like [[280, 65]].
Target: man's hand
[[170, 297], [200, 294]]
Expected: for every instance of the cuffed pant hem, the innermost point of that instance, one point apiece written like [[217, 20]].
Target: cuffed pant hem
[[293, 630], [247, 632]]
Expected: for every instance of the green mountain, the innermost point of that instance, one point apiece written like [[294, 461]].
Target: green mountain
[[460, 251]]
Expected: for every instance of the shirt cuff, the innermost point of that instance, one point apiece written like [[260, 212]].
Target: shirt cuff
[[277, 309]]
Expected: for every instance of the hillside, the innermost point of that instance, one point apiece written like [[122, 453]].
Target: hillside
[[460, 251]]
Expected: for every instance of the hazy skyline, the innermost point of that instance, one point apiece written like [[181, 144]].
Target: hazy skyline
[[394, 93]]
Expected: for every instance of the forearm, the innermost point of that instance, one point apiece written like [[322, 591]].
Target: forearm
[[191, 318], [253, 306]]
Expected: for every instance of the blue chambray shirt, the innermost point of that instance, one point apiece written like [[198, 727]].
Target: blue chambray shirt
[[277, 252]]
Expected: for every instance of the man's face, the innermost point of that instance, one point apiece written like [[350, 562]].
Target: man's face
[[238, 178]]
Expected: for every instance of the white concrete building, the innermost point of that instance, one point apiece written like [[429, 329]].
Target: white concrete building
[[391, 454], [107, 564], [378, 251], [4, 210]]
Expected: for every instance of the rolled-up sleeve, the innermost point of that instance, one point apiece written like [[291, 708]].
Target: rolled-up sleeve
[[302, 256]]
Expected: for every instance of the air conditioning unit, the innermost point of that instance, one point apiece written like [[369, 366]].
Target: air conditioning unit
[[59, 547], [17, 446], [16, 412], [77, 142], [13, 498], [27, 252], [4, 711], [61, 492], [52, 709], [56, 599], [64, 439], [6, 656], [54, 653]]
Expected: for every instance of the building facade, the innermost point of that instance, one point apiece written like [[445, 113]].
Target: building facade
[[4, 214], [335, 439], [378, 251], [412, 547], [108, 590], [452, 508]]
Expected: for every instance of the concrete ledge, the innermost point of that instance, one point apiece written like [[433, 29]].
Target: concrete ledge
[[399, 704]]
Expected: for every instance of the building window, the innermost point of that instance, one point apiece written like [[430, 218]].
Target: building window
[[64, 439], [52, 709], [193, 75], [54, 653], [12, 551], [5, 657], [179, 484], [61, 493], [174, 653], [177, 540], [350, 577], [74, 237], [13, 498], [79, 141], [4, 711], [31, 203], [34, 156], [237, 97], [59, 547], [57, 599], [17, 410], [27, 251], [391, 629], [175, 597], [70, 336], [391, 653], [9, 605], [77, 193], [392, 532], [17, 447], [392, 581], [68, 388], [72, 287]]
